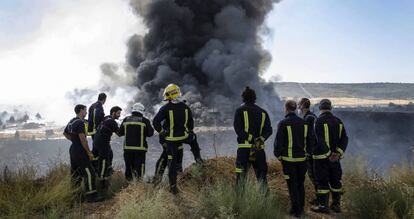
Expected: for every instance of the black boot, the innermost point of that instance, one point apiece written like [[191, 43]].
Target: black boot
[[336, 202], [323, 204], [91, 198], [174, 189]]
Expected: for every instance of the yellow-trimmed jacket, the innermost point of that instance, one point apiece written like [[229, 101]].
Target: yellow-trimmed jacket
[[176, 119], [136, 128], [251, 122], [331, 136], [293, 139]]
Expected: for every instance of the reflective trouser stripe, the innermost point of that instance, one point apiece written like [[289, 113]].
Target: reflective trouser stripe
[[135, 148], [88, 173], [286, 177], [90, 192], [326, 128], [170, 157], [239, 170], [263, 122], [290, 141], [323, 191], [103, 168], [171, 116], [142, 170], [181, 147], [336, 190]]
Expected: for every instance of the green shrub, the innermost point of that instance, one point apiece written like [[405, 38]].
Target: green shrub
[[222, 200]]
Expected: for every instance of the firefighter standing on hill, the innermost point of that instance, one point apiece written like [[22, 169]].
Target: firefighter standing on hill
[[102, 142], [80, 155], [253, 128], [332, 143], [174, 121], [136, 128], [291, 145], [95, 117], [162, 161], [310, 118]]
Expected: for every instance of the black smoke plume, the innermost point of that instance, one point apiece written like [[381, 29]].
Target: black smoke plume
[[210, 48]]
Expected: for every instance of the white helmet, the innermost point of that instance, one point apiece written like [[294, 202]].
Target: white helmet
[[139, 108]]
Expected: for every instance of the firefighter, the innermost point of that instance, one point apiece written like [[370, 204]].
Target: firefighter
[[310, 118], [332, 142], [291, 145], [102, 142], [136, 128], [174, 122], [80, 155], [253, 128], [96, 116]]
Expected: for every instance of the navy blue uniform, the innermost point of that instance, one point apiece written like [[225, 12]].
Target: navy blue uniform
[[136, 128], [80, 164], [96, 115], [331, 137], [250, 123], [102, 142], [291, 145], [174, 121], [310, 119], [162, 162]]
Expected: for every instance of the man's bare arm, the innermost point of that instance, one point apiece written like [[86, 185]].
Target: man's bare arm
[[85, 145]]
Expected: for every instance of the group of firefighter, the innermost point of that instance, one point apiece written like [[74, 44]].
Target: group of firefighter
[[312, 144]]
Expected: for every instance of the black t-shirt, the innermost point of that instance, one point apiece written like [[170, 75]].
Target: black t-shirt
[[75, 127], [106, 129]]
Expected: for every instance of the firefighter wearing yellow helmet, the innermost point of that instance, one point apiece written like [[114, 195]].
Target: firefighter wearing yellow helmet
[[174, 122]]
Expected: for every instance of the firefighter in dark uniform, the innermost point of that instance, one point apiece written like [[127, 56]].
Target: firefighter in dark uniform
[[95, 117], [102, 142], [310, 118], [136, 128], [253, 128], [174, 121], [332, 143], [293, 139], [80, 155]]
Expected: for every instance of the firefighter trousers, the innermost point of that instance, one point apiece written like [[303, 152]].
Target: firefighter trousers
[[294, 174]]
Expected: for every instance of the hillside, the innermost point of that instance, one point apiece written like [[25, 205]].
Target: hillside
[[376, 91]]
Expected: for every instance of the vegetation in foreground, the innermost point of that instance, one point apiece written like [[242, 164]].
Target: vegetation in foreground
[[204, 192]]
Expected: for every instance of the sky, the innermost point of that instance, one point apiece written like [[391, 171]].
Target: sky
[[51, 47]]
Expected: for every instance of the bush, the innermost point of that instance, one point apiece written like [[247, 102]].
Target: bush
[[23, 195], [223, 200]]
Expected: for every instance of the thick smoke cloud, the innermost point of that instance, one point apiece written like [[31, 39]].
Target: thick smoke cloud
[[210, 48]]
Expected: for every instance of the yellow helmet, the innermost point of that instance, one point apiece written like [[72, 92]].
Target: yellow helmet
[[172, 92]]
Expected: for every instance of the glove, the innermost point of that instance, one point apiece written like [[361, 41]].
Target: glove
[[259, 141]]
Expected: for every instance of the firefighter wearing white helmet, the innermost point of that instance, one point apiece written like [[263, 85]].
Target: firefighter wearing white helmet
[[136, 128], [174, 122]]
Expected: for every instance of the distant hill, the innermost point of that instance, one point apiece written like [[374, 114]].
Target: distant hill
[[380, 91]]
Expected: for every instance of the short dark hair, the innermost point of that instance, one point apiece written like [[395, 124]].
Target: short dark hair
[[115, 109], [290, 105], [325, 104], [249, 95], [305, 103], [101, 97], [79, 108]]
